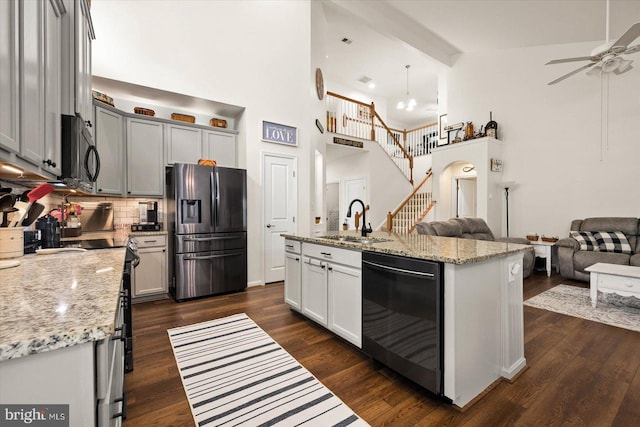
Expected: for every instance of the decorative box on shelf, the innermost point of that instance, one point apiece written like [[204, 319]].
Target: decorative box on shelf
[[183, 117], [219, 123], [144, 111], [102, 97]]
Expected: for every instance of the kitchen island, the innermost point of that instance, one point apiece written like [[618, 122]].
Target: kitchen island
[[57, 317], [481, 305]]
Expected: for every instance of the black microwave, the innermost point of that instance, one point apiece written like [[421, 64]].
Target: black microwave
[[80, 159]]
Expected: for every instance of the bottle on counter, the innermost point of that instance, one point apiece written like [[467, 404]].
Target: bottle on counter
[[491, 129]]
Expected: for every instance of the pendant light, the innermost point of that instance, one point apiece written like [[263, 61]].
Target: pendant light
[[409, 102]]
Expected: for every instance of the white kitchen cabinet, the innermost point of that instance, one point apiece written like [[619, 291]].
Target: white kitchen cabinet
[[184, 144], [220, 147], [150, 276], [345, 301], [145, 165], [314, 289], [9, 76], [109, 128], [332, 289], [293, 274]]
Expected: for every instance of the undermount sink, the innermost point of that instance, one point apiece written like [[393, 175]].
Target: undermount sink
[[355, 239]]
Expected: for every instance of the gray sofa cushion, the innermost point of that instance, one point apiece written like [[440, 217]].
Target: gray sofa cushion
[[447, 228], [583, 259], [474, 228], [629, 226], [635, 260], [425, 228]]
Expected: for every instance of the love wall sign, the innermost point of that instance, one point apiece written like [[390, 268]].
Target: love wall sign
[[280, 134]]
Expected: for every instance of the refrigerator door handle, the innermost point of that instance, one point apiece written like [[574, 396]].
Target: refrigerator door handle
[[208, 239], [214, 191], [191, 258], [217, 192]]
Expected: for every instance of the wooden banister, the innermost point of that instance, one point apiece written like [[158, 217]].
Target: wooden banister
[[421, 127], [404, 152], [344, 98], [356, 219], [404, 201]]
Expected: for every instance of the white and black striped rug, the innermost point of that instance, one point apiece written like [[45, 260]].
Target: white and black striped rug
[[234, 374]]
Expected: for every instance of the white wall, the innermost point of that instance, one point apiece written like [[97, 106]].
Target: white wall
[[386, 184], [246, 53], [551, 134]]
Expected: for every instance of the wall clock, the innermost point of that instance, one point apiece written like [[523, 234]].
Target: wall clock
[[319, 84]]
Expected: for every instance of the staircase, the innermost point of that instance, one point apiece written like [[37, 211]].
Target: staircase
[[349, 117]]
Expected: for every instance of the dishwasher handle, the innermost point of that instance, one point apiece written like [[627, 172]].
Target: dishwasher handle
[[196, 258], [398, 270]]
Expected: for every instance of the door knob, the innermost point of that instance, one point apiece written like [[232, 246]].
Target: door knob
[[269, 225]]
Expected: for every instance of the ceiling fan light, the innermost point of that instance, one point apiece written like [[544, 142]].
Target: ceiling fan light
[[595, 71], [620, 69], [409, 107], [610, 65], [624, 65], [400, 105], [412, 103]]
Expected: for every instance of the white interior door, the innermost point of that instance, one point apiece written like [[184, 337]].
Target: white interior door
[[279, 185], [355, 188], [467, 199]]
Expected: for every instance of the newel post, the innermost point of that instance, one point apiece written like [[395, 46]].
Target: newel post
[[389, 221], [373, 126]]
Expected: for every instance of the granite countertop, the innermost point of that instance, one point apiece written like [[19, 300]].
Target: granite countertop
[[434, 248], [58, 300]]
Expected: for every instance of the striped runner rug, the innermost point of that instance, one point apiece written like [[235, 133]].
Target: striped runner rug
[[235, 374]]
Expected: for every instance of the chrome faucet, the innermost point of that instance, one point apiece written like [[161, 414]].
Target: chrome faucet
[[365, 230]]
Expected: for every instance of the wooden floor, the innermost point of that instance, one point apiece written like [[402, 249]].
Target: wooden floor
[[580, 373]]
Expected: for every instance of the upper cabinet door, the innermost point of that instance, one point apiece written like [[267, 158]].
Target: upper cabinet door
[[9, 84], [220, 147], [184, 144], [52, 84], [109, 128], [145, 166]]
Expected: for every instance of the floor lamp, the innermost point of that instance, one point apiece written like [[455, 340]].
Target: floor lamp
[[507, 185]]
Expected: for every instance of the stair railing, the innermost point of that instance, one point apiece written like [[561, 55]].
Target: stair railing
[[350, 117], [413, 208], [420, 141]]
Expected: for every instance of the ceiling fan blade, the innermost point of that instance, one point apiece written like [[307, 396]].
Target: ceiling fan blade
[[579, 58], [631, 34], [632, 49], [572, 73]]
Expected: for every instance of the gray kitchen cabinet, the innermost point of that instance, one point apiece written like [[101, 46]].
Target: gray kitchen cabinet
[[109, 129], [145, 165], [76, 77], [220, 147], [184, 144], [32, 30], [9, 73], [30, 106], [150, 276], [52, 160]]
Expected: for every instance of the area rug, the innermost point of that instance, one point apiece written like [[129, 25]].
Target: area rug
[[234, 374], [611, 309]]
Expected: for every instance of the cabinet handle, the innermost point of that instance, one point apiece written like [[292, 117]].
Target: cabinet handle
[[322, 266], [150, 241], [325, 253], [289, 246], [99, 189], [88, 123], [330, 268], [297, 259]]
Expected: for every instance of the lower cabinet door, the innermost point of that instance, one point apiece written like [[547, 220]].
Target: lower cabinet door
[[150, 275], [292, 273], [314, 290], [345, 302]]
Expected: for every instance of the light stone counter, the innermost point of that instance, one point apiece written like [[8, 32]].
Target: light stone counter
[[444, 249], [58, 300]]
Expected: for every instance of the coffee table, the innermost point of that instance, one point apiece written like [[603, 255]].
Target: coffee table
[[623, 280]]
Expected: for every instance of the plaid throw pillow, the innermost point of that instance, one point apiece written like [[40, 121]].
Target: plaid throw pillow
[[586, 239], [614, 241]]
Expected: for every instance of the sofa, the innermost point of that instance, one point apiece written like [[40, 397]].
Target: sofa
[[590, 242], [476, 228]]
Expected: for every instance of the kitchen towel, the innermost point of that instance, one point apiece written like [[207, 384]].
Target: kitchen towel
[[234, 374]]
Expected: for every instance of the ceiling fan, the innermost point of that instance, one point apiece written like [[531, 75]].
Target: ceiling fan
[[606, 58]]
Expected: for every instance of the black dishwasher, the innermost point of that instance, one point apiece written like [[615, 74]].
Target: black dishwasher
[[402, 316]]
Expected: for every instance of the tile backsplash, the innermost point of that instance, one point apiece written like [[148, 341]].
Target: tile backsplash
[[126, 211]]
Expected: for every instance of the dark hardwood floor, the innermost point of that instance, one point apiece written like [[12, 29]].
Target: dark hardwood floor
[[580, 373]]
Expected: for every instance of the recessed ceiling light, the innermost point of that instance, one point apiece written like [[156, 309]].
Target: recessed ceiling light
[[372, 85]]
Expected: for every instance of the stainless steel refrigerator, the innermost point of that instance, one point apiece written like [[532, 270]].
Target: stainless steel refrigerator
[[207, 223]]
